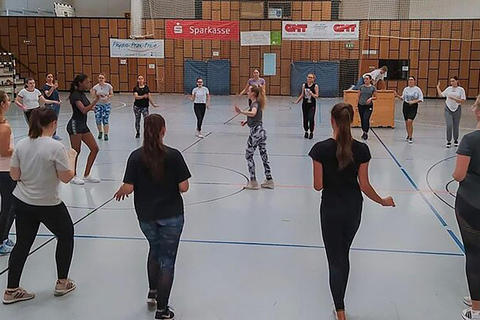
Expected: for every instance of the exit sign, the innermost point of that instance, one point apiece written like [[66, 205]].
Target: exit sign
[[349, 45]]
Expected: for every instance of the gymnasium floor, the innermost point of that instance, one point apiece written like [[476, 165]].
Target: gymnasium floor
[[258, 254]]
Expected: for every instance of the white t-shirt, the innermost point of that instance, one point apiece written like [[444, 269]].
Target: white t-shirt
[[200, 94], [38, 160], [458, 93], [30, 98], [103, 91], [412, 93], [376, 75]]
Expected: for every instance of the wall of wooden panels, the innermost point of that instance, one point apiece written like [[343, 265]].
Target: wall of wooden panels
[[68, 46]]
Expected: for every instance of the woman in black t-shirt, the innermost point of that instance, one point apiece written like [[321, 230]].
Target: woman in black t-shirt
[[77, 126], [309, 96], [340, 169], [141, 92], [158, 175]]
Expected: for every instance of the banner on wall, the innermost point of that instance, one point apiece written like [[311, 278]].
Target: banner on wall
[[320, 30], [202, 30], [260, 38], [125, 48]]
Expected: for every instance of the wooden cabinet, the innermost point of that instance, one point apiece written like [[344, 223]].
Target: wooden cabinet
[[383, 108]]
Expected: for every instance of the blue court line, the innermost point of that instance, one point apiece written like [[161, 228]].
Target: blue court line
[[263, 244], [422, 195]]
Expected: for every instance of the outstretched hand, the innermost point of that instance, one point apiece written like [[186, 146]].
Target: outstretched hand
[[237, 109]]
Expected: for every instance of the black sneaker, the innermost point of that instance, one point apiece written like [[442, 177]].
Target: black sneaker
[[152, 297], [306, 135], [100, 134], [455, 143], [449, 144], [165, 314], [366, 136], [310, 136], [137, 135]]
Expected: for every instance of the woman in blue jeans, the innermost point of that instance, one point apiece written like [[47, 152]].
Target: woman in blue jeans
[[158, 175]]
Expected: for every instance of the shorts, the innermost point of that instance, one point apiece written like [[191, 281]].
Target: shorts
[[77, 127], [410, 111]]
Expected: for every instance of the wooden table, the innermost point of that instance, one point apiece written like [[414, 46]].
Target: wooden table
[[383, 108]]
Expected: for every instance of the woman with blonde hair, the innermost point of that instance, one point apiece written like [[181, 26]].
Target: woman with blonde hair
[[257, 137]]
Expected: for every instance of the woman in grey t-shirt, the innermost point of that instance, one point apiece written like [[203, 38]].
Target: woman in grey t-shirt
[[366, 94], [256, 81], [467, 208], [38, 165]]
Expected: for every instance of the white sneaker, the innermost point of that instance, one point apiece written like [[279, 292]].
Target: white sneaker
[[267, 184], [469, 314], [77, 180], [199, 135], [410, 141], [91, 179], [252, 185], [467, 300]]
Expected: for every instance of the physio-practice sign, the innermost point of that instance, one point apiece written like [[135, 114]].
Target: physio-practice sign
[[320, 30], [126, 48], [202, 30]]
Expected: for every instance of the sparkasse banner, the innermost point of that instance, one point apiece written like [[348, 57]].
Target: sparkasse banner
[[202, 30], [320, 30]]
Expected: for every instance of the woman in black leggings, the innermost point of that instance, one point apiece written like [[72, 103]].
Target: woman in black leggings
[[39, 163], [309, 96], [340, 167], [467, 208]]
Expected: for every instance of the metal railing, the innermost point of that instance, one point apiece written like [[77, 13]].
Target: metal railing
[[26, 12]]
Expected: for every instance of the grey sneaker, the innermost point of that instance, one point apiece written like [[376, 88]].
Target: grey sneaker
[[469, 314], [252, 185], [268, 184], [17, 295], [62, 288]]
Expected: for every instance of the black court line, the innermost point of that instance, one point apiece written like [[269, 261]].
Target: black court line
[[199, 140], [75, 223], [427, 177], [234, 116]]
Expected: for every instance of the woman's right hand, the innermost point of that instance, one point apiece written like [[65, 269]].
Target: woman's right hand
[[388, 202]]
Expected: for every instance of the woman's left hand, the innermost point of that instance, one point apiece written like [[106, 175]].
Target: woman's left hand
[[237, 109], [121, 194]]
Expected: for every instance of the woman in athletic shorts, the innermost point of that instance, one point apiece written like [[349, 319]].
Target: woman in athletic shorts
[[77, 126]]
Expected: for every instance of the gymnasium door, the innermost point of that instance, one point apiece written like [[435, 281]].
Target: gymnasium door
[[327, 77], [215, 75]]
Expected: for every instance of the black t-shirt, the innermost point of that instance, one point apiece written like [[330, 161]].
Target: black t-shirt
[[340, 188], [156, 200], [142, 103], [82, 97], [312, 89]]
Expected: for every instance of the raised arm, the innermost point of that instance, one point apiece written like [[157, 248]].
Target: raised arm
[[49, 92], [244, 89], [247, 113], [439, 91], [86, 109], [368, 190]]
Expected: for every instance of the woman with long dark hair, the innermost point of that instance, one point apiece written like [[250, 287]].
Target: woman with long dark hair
[[411, 97], [158, 175], [77, 126], [309, 96], [257, 137], [467, 208], [39, 163], [201, 102], [143, 99], [6, 182], [455, 96], [340, 169]]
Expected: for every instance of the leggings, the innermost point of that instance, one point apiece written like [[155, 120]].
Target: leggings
[[139, 111], [27, 221], [308, 116], [6, 215], [102, 113], [468, 218], [257, 138], [452, 119], [365, 112], [338, 231], [163, 238], [27, 114], [199, 109]]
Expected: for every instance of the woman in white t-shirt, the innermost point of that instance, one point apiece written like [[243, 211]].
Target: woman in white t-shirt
[[103, 107], [29, 98], [453, 110], [201, 102], [38, 165], [6, 183], [411, 97]]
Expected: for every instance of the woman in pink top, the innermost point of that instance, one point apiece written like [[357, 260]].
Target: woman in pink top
[[256, 81], [6, 183]]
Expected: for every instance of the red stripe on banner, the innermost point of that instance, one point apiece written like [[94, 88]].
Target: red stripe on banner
[[202, 30]]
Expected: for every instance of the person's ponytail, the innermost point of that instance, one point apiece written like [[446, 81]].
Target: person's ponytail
[[260, 95], [40, 118], [76, 82], [342, 113], [154, 151]]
